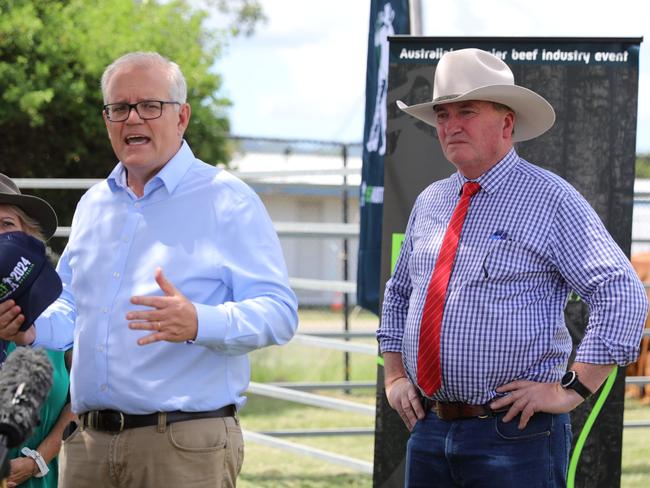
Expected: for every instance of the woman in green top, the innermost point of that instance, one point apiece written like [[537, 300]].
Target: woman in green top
[[34, 216], [46, 438]]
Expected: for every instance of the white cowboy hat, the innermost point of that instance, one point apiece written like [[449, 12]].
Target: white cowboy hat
[[473, 74]]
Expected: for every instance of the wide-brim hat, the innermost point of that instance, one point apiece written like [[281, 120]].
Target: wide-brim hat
[[35, 207], [26, 275], [474, 74]]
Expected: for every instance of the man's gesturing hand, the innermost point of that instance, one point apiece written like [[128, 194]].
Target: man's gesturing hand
[[172, 319]]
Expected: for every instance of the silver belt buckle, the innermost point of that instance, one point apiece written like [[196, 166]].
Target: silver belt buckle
[[489, 413], [92, 419], [121, 421]]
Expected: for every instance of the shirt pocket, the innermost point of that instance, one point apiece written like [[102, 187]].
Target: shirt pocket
[[510, 260]]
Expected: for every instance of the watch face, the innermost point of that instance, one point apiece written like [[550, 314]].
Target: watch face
[[567, 379]]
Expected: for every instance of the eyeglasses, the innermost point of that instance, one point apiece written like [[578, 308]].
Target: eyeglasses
[[146, 109]]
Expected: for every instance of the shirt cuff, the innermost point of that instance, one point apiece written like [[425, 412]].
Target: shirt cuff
[[386, 345], [43, 330], [595, 350], [212, 324]]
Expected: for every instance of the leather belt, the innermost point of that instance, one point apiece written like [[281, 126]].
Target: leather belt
[[114, 421], [457, 411]]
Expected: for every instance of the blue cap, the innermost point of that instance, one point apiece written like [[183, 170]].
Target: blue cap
[[26, 275]]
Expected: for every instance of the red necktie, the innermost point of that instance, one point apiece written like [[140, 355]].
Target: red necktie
[[429, 367]]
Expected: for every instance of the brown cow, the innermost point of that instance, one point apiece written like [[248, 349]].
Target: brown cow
[[641, 264]]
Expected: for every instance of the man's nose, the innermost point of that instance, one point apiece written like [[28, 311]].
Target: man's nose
[[453, 124], [134, 117]]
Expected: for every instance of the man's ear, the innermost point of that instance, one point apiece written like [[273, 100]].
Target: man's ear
[[184, 114], [509, 124]]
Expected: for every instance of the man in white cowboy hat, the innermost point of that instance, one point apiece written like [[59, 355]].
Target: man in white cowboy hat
[[172, 274], [472, 332]]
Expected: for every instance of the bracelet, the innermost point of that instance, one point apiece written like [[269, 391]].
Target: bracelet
[[40, 462]]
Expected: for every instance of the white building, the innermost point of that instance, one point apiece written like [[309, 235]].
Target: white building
[[307, 188]]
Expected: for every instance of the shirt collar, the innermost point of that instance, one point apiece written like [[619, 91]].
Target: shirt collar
[[170, 174], [496, 175]]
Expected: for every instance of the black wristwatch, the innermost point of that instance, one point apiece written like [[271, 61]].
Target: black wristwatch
[[570, 381]]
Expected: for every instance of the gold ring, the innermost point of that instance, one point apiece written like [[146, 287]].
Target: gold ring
[[159, 325]]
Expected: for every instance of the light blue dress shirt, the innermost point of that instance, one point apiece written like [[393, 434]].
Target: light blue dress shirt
[[213, 239], [528, 240]]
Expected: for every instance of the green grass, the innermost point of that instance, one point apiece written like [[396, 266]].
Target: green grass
[[636, 448], [266, 467], [643, 165], [297, 362]]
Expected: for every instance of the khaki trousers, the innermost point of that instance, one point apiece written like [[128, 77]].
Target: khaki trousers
[[198, 453]]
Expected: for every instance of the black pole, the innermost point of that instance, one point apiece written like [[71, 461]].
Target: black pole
[[346, 296]]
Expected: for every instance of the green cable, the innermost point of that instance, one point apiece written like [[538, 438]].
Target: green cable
[[575, 457]]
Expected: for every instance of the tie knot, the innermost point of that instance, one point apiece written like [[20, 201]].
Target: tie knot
[[470, 188]]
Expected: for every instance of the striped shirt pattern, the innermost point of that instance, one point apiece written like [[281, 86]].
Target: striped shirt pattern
[[529, 238]]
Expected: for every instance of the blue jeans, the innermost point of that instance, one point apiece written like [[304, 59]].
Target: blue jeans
[[486, 453]]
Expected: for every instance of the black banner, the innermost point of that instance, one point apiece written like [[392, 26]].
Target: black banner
[[387, 18], [592, 85]]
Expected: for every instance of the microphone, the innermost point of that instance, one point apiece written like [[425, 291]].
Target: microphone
[[25, 382]]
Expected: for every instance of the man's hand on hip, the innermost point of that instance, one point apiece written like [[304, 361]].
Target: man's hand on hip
[[172, 319], [528, 397]]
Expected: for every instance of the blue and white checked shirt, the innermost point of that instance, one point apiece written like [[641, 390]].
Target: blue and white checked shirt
[[529, 238], [215, 242]]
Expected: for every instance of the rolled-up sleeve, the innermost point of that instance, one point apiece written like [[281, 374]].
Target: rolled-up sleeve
[[396, 298], [596, 268]]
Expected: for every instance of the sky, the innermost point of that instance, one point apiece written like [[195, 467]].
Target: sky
[[302, 74]]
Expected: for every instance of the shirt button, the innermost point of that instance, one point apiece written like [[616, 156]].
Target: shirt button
[[104, 309], [103, 387], [136, 204], [125, 239], [100, 348], [116, 274]]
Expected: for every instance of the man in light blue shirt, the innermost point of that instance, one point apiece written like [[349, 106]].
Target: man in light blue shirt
[[172, 273]]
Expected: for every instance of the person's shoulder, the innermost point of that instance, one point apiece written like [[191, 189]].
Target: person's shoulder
[[440, 189], [97, 191], [217, 180], [546, 179]]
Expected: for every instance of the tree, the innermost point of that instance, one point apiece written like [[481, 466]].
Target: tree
[[643, 166], [52, 55]]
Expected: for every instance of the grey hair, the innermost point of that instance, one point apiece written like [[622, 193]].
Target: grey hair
[[177, 83]]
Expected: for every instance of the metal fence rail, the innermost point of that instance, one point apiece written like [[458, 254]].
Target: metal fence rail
[[325, 385], [294, 391], [318, 432], [325, 343], [345, 461], [321, 401], [637, 380]]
